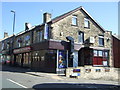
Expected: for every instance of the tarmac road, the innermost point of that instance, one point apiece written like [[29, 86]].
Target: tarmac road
[[14, 77]]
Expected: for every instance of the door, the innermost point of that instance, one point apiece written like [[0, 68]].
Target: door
[[75, 59]]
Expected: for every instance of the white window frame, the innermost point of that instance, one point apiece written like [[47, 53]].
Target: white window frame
[[100, 53], [74, 20], [80, 37], [86, 23], [101, 37], [95, 53]]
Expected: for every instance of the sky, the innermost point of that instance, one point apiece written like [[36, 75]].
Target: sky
[[105, 13]]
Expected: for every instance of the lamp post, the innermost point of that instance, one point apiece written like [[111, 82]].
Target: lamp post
[[13, 57], [13, 21]]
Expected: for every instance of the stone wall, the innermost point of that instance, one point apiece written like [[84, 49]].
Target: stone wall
[[89, 72], [64, 28]]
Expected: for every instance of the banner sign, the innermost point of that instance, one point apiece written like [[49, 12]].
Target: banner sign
[[21, 50], [62, 62]]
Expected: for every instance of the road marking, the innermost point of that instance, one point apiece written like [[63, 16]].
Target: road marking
[[17, 83]]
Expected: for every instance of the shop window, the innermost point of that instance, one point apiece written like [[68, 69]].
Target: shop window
[[86, 23], [74, 20], [80, 37], [101, 40], [101, 58], [95, 53], [100, 53]]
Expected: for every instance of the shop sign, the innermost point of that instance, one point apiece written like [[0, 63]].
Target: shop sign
[[5, 52], [21, 50], [76, 70]]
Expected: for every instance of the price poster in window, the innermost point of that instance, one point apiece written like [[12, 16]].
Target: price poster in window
[[62, 63]]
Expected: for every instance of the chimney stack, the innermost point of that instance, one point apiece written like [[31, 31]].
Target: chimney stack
[[27, 26], [5, 34], [46, 17]]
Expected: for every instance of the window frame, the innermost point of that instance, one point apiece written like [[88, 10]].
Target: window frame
[[74, 20], [102, 58], [80, 35], [101, 37], [86, 20]]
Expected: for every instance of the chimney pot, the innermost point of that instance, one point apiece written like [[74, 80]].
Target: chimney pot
[[5, 34], [27, 26]]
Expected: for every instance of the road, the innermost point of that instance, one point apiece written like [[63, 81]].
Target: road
[[13, 77]]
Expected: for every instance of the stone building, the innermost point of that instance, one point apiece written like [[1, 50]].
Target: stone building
[[6, 48], [47, 47]]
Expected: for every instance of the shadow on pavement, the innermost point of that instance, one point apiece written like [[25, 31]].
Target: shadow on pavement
[[75, 85], [17, 69]]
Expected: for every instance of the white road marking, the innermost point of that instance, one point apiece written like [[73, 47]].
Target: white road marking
[[17, 83]]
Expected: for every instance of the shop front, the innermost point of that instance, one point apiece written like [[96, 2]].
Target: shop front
[[52, 56], [5, 57], [22, 57]]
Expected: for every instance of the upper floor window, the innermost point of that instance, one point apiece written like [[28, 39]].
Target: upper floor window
[[39, 36], [19, 42], [80, 37], [2, 46], [101, 40], [86, 23], [27, 40], [74, 20], [8, 45]]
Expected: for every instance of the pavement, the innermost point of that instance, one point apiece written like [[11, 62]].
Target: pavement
[[74, 80], [42, 79]]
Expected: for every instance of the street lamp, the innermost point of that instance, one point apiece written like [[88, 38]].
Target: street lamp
[[13, 21], [13, 57]]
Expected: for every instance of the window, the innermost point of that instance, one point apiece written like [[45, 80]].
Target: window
[[80, 37], [2, 46], [100, 57], [95, 52], [74, 20], [100, 53], [39, 36], [101, 40], [27, 40], [86, 23], [8, 45], [19, 42]]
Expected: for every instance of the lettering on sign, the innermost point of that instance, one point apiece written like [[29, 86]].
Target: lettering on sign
[[21, 50]]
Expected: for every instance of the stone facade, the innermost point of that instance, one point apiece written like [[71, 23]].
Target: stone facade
[[89, 72], [64, 28], [37, 46], [20, 38]]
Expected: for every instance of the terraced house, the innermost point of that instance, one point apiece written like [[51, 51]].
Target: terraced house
[[72, 43]]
